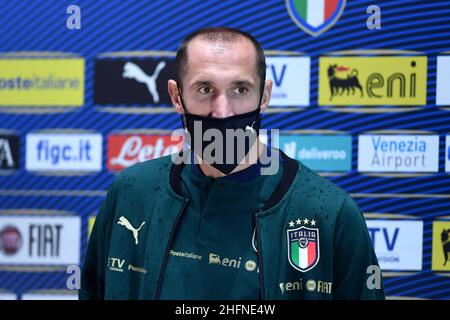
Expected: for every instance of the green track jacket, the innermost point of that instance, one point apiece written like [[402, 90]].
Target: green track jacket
[[311, 238]]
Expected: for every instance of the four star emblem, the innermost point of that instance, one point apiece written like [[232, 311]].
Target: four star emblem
[[305, 222]]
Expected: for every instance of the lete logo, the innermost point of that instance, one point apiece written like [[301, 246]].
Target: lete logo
[[127, 150]]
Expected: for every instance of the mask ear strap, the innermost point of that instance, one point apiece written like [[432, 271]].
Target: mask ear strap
[[263, 82], [182, 116]]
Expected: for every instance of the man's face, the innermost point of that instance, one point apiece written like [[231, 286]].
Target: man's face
[[221, 79]]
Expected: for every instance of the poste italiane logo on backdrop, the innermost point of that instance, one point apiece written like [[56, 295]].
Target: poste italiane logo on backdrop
[[41, 79], [315, 16]]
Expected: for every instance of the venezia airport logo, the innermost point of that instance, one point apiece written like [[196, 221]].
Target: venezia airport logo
[[401, 153]]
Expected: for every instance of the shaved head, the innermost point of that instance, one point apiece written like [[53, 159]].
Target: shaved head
[[221, 38]]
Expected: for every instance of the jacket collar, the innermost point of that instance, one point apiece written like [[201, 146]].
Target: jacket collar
[[290, 171]]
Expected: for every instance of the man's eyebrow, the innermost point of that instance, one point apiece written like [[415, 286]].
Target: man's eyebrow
[[243, 83], [202, 83]]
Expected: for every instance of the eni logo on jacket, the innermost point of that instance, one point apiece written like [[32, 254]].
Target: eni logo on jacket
[[124, 222], [303, 244]]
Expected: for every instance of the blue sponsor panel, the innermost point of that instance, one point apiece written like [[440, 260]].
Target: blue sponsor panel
[[322, 153]]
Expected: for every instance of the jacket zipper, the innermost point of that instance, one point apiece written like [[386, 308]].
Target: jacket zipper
[[259, 256], [166, 255]]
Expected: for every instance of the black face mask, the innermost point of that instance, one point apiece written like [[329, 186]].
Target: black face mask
[[226, 152]]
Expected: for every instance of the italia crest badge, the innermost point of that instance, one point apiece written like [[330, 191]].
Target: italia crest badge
[[315, 16], [303, 244]]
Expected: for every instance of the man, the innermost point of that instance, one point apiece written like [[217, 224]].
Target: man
[[221, 227]]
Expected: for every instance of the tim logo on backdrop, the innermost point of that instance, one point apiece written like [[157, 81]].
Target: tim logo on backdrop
[[397, 243], [290, 73], [315, 16]]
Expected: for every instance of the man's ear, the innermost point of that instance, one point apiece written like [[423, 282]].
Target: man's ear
[[266, 95], [172, 87]]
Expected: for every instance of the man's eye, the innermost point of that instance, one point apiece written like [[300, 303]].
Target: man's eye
[[241, 90], [205, 90]]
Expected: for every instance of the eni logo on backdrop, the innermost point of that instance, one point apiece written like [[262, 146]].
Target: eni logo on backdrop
[[358, 78]]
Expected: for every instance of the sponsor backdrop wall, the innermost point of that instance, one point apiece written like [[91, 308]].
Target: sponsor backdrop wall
[[361, 95]]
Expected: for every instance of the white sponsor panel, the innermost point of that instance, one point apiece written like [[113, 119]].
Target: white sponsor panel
[[443, 81], [447, 153], [46, 240], [291, 77], [70, 295], [263, 137], [398, 153], [397, 243], [63, 152], [7, 296]]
